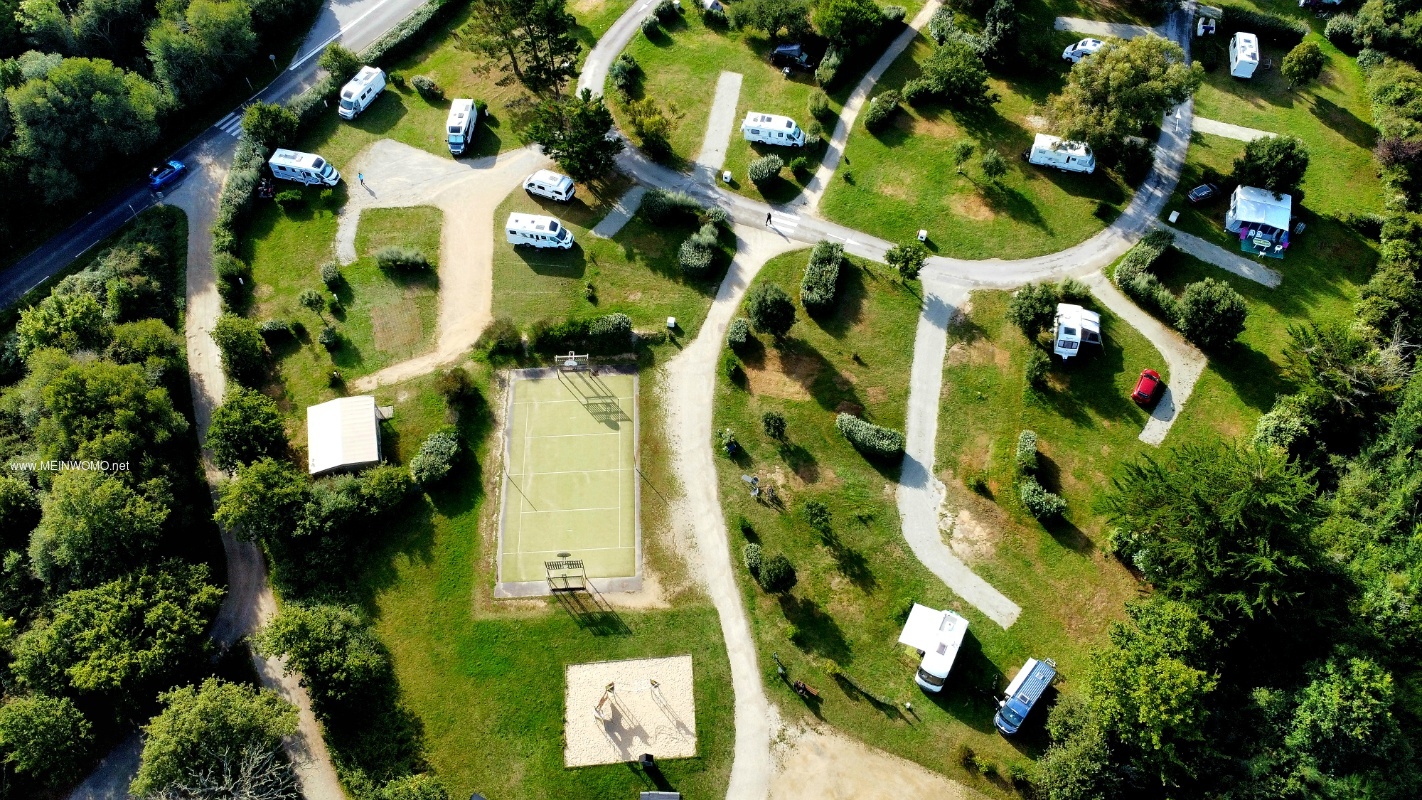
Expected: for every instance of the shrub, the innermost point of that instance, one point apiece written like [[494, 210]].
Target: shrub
[[1038, 365], [907, 258], [238, 193], [340, 62], [665, 11], [1039, 502], [818, 515], [820, 106], [753, 557], [269, 124], [698, 253], [978, 483], [650, 26], [1132, 277], [455, 386], [729, 443], [500, 338], [329, 338], [774, 424], [881, 111], [1288, 421], [610, 333], [764, 169], [436, 458], [715, 215], [1211, 313], [244, 352], [716, 18], [894, 13], [1368, 224], [234, 280], [1032, 308], [1370, 59], [770, 310], [829, 66], [1302, 64], [427, 88], [290, 200], [777, 574], [1342, 31], [331, 274], [1270, 28], [919, 91], [821, 279], [965, 756], [312, 301], [661, 207], [402, 259], [800, 165], [732, 367], [1073, 290], [738, 335], [869, 439], [623, 72], [1026, 458], [273, 329]]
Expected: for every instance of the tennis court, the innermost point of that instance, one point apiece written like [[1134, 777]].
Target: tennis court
[[570, 479]]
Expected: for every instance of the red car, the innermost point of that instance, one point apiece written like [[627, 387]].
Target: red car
[[1148, 387]]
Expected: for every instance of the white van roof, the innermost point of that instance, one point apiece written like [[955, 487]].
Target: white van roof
[[533, 223], [365, 77], [1074, 316], [548, 177], [459, 111], [297, 159], [1246, 47], [938, 634], [756, 119], [1047, 142]]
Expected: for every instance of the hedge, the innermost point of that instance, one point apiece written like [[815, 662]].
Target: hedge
[[828, 69], [1026, 460], [606, 335], [1270, 28], [765, 169], [1039, 502], [872, 440], [660, 207], [821, 280], [697, 254], [401, 259], [238, 194], [1132, 276], [881, 111]]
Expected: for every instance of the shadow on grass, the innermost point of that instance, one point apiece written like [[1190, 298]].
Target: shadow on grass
[[1344, 122], [852, 294], [851, 563], [971, 691], [817, 632]]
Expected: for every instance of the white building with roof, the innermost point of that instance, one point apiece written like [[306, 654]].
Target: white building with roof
[[342, 434]]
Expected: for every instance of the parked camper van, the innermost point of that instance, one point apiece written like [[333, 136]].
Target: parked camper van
[[549, 184], [307, 168], [537, 230], [1243, 54], [772, 129], [362, 90], [1075, 327], [1053, 151], [938, 635], [1022, 693], [459, 126]]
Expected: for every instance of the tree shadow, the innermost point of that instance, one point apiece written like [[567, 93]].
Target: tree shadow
[[850, 562], [850, 299], [1015, 204], [854, 691], [817, 632], [801, 461], [1344, 122]]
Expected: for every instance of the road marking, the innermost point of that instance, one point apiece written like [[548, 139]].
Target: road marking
[[232, 123], [338, 34]]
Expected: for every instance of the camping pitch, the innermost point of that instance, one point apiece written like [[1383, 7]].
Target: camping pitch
[[570, 494]]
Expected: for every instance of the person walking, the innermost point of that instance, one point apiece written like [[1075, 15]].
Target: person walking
[[767, 219], [360, 176]]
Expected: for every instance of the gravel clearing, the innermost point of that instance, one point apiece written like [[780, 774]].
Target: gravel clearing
[[651, 709]]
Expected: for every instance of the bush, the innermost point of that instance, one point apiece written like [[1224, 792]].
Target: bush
[[1072, 290], [764, 169], [818, 515], [1342, 31], [1290, 420], [919, 91], [269, 124], [1368, 224], [828, 69], [820, 106], [436, 458], [662, 207], [502, 337], [1032, 308], [414, 787], [244, 352], [340, 62], [402, 259], [881, 111], [894, 13], [651, 27], [331, 275], [455, 386], [821, 279], [872, 440], [729, 443], [715, 215], [611, 333], [623, 72], [753, 557], [234, 280], [1039, 502], [329, 338], [907, 258], [245, 428], [1026, 458], [290, 200], [770, 310], [1038, 365], [698, 253], [1270, 28], [1211, 313], [738, 335], [777, 574], [774, 424], [732, 367], [801, 165], [1132, 276], [1303, 64], [274, 329], [427, 88], [238, 193], [665, 11]]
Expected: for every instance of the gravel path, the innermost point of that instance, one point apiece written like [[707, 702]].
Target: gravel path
[[1211, 253], [687, 405], [1091, 27], [920, 493], [1230, 130], [815, 189], [1184, 361], [719, 125], [611, 45], [468, 192], [823, 763], [621, 213]]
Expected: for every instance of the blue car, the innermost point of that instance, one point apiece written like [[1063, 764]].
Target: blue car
[[165, 175]]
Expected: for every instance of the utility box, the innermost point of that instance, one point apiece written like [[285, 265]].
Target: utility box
[[1243, 55]]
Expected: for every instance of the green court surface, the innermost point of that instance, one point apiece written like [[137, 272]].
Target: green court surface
[[570, 479]]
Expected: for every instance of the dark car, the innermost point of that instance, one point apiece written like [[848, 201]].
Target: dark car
[[165, 175], [1203, 192], [1148, 387], [791, 55]]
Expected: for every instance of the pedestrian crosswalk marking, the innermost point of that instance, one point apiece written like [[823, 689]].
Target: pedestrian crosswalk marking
[[231, 124]]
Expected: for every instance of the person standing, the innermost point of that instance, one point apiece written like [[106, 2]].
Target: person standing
[[767, 219]]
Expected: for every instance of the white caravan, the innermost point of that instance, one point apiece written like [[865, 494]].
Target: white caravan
[[1075, 327], [307, 168], [937, 635], [537, 230], [1243, 55], [459, 125], [362, 90], [549, 184], [1053, 151], [772, 129]]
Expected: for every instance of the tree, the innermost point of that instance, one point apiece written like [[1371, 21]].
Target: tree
[[192, 56], [263, 501], [341, 63], [1345, 715], [245, 428], [94, 525], [69, 322], [269, 124], [1121, 89], [19, 510], [908, 258], [962, 152], [149, 343], [1033, 308], [1274, 163], [124, 639], [771, 310], [244, 351], [312, 301], [82, 115], [955, 73], [339, 658], [436, 457], [1302, 64], [535, 37], [100, 410], [774, 424], [774, 16], [46, 738], [577, 133], [200, 725], [993, 166], [849, 23], [1345, 366], [1211, 313]]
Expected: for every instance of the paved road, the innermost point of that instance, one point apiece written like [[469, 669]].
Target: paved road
[[719, 125]]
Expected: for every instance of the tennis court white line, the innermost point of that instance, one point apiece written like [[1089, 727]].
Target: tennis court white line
[[565, 510], [570, 435], [560, 402], [574, 550], [564, 472]]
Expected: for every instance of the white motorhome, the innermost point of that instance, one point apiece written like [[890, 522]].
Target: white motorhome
[[549, 184], [1053, 151], [1243, 54], [536, 230], [772, 129], [307, 168], [1075, 327], [937, 635], [361, 91], [459, 125]]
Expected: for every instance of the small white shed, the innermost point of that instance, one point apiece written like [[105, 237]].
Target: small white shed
[[342, 434], [1243, 54], [1075, 327]]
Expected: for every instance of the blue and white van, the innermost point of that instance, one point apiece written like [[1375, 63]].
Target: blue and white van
[[1022, 693]]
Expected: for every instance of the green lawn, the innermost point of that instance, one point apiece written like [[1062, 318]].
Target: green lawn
[[855, 588], [896, 182]]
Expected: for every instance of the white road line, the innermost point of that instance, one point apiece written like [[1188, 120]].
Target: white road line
[[338, 34]]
